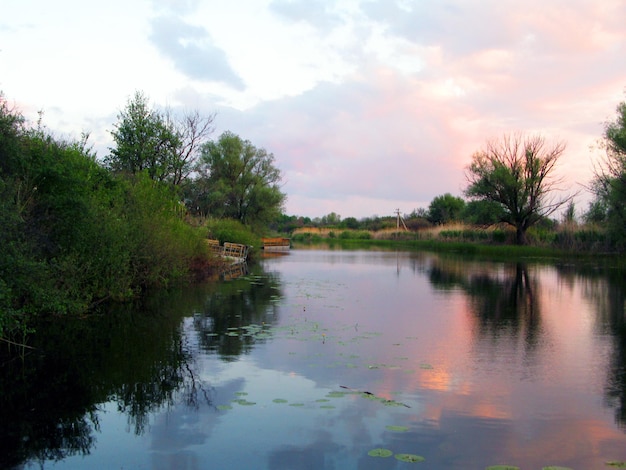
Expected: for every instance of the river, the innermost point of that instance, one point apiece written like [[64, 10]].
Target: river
[[332, 358]]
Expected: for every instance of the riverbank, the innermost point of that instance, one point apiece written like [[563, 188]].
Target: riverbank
[[568, 242]]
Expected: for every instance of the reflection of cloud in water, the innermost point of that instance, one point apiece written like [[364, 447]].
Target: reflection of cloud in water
[[317, 455], [180, 427]]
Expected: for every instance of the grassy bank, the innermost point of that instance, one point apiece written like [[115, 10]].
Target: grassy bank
[[493, 242]]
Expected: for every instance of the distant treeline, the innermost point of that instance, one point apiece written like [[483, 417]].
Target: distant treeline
[[511, 186]]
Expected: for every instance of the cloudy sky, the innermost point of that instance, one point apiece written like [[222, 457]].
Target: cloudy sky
[[367, 105]]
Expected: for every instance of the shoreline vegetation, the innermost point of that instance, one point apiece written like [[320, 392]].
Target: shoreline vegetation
[[565, 242]]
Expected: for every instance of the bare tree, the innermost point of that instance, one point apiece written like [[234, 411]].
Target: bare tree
[[192, 130], [517, 173]]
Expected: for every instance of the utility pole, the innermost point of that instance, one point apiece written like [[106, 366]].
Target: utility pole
[[398, 220]]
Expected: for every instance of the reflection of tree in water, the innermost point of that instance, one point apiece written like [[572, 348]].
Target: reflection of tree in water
[[240, 303], [503, 299], [136, 357], [140, 357], [607, 289]]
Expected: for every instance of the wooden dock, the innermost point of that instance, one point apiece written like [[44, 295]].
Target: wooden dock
[[276, 244], [234, 252]]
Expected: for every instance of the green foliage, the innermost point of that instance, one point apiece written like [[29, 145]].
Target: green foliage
[[355, 235], [74, 235], [351, 223], [230, 230], [516, 172], [150, 140], [288, 223], [237, 181], [162, 246], [144, 141], [610, 182], [483, 212], [444, 209]]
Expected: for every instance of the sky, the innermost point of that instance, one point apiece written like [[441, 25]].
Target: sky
[[368, 106]]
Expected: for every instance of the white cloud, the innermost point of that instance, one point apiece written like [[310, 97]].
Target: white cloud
[[365, 103]]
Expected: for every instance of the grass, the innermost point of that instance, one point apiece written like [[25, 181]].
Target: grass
[[496, 241]]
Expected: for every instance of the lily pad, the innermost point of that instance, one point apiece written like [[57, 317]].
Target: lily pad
[[279, 400], [427, 367], [241, 394], [246, 402], [502, 467], [397, 428], [224, 407], [616, 464], [409, 458], [556, 467], [380, 453], [327, 407]]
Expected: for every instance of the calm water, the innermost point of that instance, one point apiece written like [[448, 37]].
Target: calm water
[[464, 363]]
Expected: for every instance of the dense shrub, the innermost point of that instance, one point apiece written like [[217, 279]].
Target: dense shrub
[[74, 235]]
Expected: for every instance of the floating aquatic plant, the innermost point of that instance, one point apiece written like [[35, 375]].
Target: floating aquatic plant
[[409, 458], [397, 428], [556, 467], [224, 407], [279, 400], [616, 464], [244, 402], [502, 467], [380, 453]]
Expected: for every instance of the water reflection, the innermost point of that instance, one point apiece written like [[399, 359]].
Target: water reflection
[[504, 299], [606, 288], [139, 357], [472, 346]]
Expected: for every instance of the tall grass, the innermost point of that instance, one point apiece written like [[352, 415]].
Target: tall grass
[[568, 238]]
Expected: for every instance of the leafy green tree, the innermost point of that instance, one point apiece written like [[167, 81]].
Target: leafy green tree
[[517, 173], [333, 219], [481, 212], [144, 141], [610, 182], [149, 140], [444, 209], [238, 181], [351, 223]]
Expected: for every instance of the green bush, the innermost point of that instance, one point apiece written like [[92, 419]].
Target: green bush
[[233, 231], [74, 235], [498, 236]]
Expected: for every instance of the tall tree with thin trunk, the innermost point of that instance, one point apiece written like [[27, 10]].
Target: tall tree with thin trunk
[[609, 184], [158, 142], [517, 172]]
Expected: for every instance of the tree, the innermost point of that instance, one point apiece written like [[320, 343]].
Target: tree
[[157, 142], [482, 212], [517, 173], [444, 209], [609, 184], [237, 180]]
